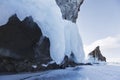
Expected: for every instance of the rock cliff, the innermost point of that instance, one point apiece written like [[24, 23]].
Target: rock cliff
[[23, 47], [69, 8]]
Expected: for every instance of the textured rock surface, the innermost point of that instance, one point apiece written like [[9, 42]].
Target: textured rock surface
[[10, 65], [17, 38], [97, 55], [42, 50], [69, 8], [23, 45]]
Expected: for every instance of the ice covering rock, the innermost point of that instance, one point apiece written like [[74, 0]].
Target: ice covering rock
[[73, 43], [69, 8], [47, 15], [96, 56]]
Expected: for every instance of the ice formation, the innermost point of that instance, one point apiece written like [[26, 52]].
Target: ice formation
[[64, 36]]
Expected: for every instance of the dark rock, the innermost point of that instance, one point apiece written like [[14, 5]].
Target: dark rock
[[88, 64], [96, 54], [68, 62], [19, 37], [42, 50], [6, 65], [53, 66], [9, 65], [22, 45]]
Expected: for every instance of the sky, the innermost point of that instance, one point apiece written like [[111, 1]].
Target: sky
[[99, 24]]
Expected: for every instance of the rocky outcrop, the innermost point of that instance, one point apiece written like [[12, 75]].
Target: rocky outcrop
[[69, 8], [68, 62], [96, 56], [10, 65], [42, 50], [17, 38], [22, 46]]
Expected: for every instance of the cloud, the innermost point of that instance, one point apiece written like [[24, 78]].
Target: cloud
[[109, 46]]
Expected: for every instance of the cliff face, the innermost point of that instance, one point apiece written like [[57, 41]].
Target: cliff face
[[95, 56], [63, 34], [18, 37], [22, 43], [69, 8]]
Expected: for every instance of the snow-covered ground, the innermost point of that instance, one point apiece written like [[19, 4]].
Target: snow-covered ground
[[96, 72]]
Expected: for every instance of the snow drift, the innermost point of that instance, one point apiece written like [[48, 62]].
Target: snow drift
[[64, 36]]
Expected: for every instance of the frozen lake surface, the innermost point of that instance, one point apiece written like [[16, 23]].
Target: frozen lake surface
[[101, 72]]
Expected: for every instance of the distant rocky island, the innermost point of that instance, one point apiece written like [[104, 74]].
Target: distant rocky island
[[96, 56]]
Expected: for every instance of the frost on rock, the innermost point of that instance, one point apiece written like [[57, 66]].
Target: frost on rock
[[63, 35]]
